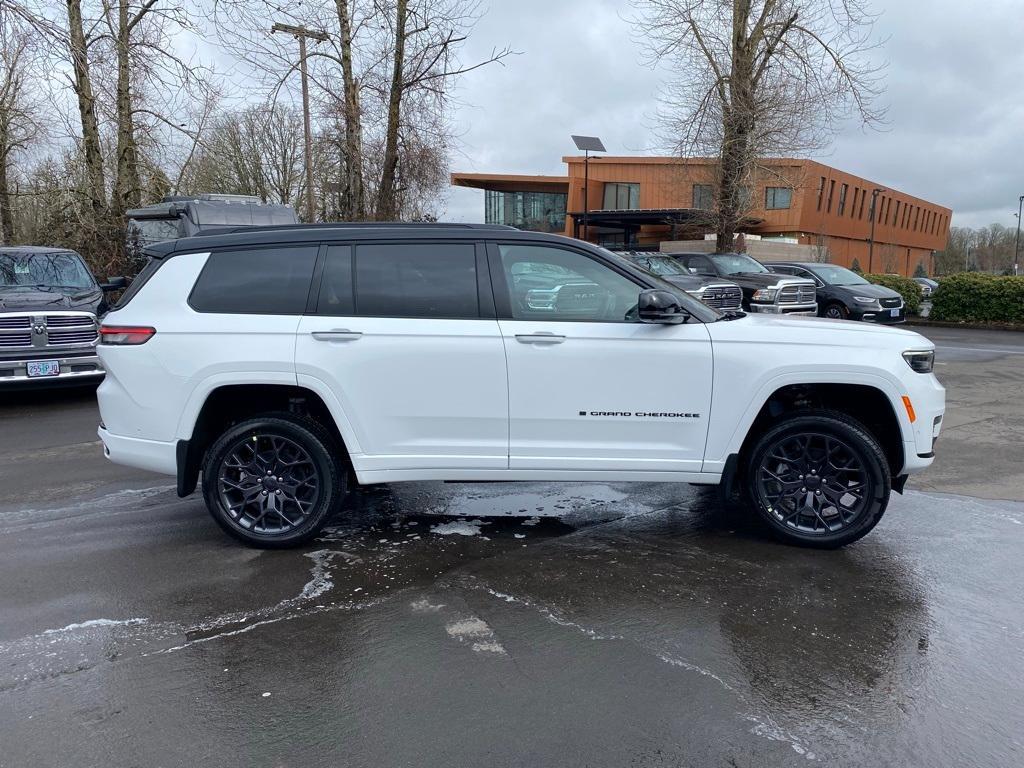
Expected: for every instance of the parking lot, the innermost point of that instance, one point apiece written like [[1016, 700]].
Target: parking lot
[[520, 624]]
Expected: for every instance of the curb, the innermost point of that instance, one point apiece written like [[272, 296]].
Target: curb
[[924, 322]]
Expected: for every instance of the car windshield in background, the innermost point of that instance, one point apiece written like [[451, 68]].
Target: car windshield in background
[[838, 276], [664, 265], [736, 263], [50, 270]]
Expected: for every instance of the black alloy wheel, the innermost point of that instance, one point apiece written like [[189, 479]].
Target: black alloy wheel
[[837, 311], [273, 481], [819, 479]]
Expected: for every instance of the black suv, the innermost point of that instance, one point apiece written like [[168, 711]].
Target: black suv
[[763, 290], [845, 295], [721, 294], [49, 302]]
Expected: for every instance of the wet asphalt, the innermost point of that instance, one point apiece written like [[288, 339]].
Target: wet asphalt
[[511, 625]]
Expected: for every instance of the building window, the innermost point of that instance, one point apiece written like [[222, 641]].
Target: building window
[[821, 191], [853, 205], [831, 191], [703, 197], [917, 218], [619, 196], [776, 198], [860, 214], [896, 213], [533, 211], [842, 198]]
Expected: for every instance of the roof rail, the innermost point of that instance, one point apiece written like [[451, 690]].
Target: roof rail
[[229, 229]]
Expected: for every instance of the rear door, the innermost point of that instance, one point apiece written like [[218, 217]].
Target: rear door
[[403, 334], [590, 387]]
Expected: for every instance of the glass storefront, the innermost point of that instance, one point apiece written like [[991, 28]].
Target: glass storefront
[[533, 211]]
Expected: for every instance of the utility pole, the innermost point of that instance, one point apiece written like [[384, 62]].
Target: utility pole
[[300, 34], [871, 240], [1016, 242]]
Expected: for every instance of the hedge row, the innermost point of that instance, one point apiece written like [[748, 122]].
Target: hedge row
[[907, 288], [971, 297]]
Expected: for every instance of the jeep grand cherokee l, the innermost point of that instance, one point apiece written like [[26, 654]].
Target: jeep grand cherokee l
[[282, 365]]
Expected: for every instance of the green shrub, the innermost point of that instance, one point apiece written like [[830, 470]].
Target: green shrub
[[971, 297], [907, 288]]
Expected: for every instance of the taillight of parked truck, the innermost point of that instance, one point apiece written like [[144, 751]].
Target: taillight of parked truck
[[125, 335]]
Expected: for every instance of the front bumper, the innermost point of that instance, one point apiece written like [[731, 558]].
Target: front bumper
[[785, 309], [75, 367], [882, 316]]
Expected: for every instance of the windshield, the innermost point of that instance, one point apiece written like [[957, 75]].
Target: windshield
[[663, 265], [47, 270], [736, 263], [838, 276]]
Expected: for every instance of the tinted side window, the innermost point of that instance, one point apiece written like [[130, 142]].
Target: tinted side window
[[266, 281], [417, 280]]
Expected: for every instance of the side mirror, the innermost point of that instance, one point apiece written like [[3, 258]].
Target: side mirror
[[114, 284], [656, 306]]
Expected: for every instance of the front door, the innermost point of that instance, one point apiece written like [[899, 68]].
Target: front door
[[590, 387], [399, 338]]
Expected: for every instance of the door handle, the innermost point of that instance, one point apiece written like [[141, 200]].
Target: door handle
[[541, 337], [337, 334]]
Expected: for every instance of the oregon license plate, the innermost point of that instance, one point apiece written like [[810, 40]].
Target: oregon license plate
[[894, 313], [40, 368]]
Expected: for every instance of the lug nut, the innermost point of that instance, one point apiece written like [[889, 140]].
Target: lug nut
[[803, 490], [278, 491], [816, 493], [264, 493], [801, 477]]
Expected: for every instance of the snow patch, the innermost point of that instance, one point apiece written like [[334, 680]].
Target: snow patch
[[459, 528], [96, 623], [425, 606]]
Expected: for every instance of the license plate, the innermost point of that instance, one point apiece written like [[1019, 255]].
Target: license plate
[[894, 313], [42, 368]]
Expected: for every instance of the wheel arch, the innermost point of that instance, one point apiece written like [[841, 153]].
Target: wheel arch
[[230, 403], [868, 403]]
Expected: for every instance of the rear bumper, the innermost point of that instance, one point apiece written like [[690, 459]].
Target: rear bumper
[[153, 455], [74, 367], [785, 309]]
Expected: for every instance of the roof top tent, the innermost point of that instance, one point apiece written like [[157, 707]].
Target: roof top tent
[[186, 216]]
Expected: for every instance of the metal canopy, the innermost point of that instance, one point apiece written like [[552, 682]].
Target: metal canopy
[[588, 144]]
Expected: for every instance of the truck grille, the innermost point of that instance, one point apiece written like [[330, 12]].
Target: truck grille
[[46, 331], [797, 294], [723, 296]]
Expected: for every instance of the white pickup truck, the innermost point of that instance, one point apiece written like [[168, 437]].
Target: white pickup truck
[[284, 364]]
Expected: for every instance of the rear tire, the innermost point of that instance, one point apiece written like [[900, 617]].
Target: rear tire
[[273, 481], [818, 479]]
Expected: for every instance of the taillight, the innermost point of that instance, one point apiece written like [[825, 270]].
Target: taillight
[[125, 334]]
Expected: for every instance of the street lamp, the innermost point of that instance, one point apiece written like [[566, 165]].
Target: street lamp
[[1016, 242], [588, 144], [874, 215]]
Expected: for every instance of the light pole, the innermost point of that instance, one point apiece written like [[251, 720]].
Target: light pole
[[874, 215], [301, 33], [1016, 242], [588, 144]]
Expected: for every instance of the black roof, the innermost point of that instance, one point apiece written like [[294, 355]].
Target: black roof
[[346, 231]]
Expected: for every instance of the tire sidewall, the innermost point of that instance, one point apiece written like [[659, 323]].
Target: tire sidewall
[[332, 479], [867, 451], [844, 313]]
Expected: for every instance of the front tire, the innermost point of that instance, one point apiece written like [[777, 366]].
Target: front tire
[[818, 479], [273, 481], [837, 311]]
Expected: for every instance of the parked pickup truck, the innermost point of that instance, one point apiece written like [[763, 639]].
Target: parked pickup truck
[[284, 365], [49, 302], [763, 290], [723, 295]]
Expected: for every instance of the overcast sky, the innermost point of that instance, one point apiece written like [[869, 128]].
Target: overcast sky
[[956, 103]]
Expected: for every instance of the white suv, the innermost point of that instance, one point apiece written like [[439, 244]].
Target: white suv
[[284, 364]]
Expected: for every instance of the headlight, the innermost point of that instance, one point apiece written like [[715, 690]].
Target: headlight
[[922, 362], [764, 294], [865, 300]]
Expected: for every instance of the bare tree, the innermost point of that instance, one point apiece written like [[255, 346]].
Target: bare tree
[[19, 109], [758, 78]]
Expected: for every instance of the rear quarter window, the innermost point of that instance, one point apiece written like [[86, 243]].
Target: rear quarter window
[[265, 281], [140, 280]]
